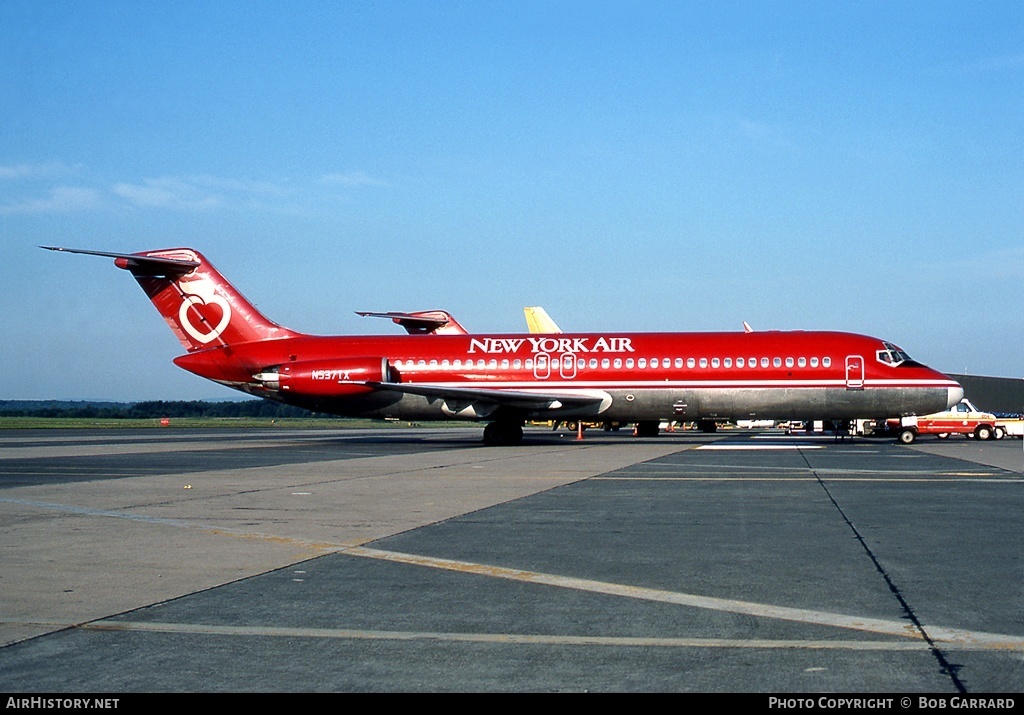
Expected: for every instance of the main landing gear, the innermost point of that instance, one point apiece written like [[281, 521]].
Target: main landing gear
[[647, 428], [503, 432]]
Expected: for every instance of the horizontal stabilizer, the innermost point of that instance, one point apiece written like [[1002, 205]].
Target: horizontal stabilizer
[[438, 322], [139, 263]]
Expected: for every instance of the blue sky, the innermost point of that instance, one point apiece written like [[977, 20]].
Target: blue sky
[[628, 165]]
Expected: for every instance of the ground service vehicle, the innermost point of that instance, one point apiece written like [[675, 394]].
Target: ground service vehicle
[[962, 418], [1009, 427]]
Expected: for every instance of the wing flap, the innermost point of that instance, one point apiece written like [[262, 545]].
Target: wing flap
[[532, 400]]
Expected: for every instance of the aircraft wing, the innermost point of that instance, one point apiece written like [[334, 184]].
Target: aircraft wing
[[493, 397]]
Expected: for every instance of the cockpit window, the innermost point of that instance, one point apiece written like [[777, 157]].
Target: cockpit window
[[892, 355]]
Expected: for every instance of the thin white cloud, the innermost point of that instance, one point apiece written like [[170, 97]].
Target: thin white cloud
[[998, 63], [60, 199], [167, 193], [172, 193], [11, 172], [240, 186], [352, 178]]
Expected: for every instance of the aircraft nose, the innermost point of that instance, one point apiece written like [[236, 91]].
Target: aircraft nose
[[954, 395]]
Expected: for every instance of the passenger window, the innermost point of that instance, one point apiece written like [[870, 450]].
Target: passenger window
[[727, 362], [764, 362], [814, 362], [826, 362], [679, 362], [690, 362], [715, 362], [703, 362], [740, 362], [801, 362]]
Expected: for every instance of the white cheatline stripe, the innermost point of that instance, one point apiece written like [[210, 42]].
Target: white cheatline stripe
[[952, 636]]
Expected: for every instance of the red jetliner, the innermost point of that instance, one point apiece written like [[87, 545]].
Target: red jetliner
[[507, 379]]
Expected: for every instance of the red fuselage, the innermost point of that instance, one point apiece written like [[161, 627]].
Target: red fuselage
[[632, 376]]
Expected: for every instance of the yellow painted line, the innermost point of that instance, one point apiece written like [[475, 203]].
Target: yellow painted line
[[953, 636]]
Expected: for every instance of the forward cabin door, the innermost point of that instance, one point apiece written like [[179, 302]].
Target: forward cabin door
[[854, 372]]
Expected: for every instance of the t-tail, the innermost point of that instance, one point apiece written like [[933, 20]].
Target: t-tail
[[201, 307]]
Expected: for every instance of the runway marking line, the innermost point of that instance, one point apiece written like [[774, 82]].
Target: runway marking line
[[758, 447], [509, 638]]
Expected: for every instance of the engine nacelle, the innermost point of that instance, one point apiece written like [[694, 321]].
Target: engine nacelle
[[328, 378]]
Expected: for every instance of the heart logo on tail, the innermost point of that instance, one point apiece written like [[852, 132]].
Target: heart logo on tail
[[200, 297]]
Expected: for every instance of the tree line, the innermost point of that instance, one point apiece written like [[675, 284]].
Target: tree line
[[149, 409]]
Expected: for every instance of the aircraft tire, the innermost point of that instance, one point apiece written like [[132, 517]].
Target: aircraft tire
[[499, 434], [647, 429]]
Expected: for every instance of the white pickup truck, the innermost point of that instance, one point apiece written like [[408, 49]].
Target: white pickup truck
[[1009, 427]]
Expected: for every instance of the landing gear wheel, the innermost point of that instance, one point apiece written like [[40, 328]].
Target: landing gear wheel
[[647, 429], [503, 433]]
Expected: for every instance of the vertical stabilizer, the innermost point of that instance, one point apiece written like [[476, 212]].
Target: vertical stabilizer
[[202, 308], [538, 320]]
